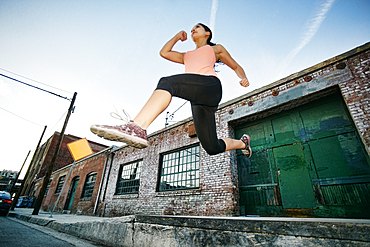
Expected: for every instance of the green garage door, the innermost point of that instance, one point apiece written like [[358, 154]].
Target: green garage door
[[308, 161]]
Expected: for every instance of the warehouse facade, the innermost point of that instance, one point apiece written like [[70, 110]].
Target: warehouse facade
[[310, 135]]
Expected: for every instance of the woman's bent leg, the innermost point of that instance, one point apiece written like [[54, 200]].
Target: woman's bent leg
[[233, 144], [205, 127], [156, 104]]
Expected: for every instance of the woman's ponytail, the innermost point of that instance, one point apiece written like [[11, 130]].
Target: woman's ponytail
[[210, 36], [209, 40]]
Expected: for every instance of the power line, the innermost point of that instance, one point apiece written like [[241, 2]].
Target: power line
[[34, 122], [19, 116], [171, 116], [51, 130], [35, 81], [35, 87]]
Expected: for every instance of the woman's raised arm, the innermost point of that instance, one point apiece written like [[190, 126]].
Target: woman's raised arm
[[171, 55], [225, 57]]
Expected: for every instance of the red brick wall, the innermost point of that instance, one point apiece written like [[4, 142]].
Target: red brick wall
[[82, 169], [357, 94], [64, 157]]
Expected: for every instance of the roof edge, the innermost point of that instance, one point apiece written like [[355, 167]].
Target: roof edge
[[301, 73]]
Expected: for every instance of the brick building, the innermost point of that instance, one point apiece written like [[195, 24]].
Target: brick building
[[43, 156], [310, 135], [82, 187]]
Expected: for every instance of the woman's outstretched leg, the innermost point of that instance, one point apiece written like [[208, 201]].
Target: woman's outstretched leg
[[134, 132], [156, 104]]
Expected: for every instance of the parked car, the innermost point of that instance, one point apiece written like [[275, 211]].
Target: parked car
[[5, 202], [25, 202], [22, 202]]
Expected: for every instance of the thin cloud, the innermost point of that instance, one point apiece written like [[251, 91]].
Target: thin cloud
[[212, 19], [313, 25]]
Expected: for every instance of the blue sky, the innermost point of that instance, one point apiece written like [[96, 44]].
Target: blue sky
[[108, 52]]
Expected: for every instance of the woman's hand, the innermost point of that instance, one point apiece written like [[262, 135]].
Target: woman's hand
[[171, 55], [182, 35], [244, 82]]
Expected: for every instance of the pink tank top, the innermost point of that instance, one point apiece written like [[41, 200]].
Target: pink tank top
[[200, 61]]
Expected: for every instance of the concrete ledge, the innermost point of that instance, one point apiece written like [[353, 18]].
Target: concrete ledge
[[117, 232], [162, 231], [162, 236], [341, 229]]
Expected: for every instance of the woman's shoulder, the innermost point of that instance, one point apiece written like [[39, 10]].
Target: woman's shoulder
[[218, 48]]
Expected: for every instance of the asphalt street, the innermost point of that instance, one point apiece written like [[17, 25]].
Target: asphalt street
[[14, 232]]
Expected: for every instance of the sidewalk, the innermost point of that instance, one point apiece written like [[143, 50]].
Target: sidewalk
[[162, 231], [117, 231], [45, 216]]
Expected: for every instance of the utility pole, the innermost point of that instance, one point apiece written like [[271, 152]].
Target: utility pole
[[40, 197], [15, 200], [16, 178]]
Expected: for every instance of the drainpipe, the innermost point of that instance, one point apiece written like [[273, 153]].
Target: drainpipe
[[106, 184], [101, 181]]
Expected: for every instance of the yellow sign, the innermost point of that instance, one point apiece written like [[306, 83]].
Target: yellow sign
[[79, 149]]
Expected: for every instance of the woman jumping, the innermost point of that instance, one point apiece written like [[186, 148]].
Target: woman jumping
[[199, 85]]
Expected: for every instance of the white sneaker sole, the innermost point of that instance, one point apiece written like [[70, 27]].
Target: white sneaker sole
[[115, 135]]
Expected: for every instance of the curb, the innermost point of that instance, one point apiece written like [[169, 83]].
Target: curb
[[30, 219], [109, 232]]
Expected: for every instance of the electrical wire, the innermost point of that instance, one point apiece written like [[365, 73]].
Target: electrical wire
[[35, 87], [35, 81], [56, 123], [34, 122], [179, 108], [172, 115], [20, 116]]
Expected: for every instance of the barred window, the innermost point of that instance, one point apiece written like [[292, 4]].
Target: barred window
[[179, 169], [48, 186], [129, 178], [60, 184], [89, 185]]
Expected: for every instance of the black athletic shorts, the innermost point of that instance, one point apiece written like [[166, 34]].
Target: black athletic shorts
[[204, 93]]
